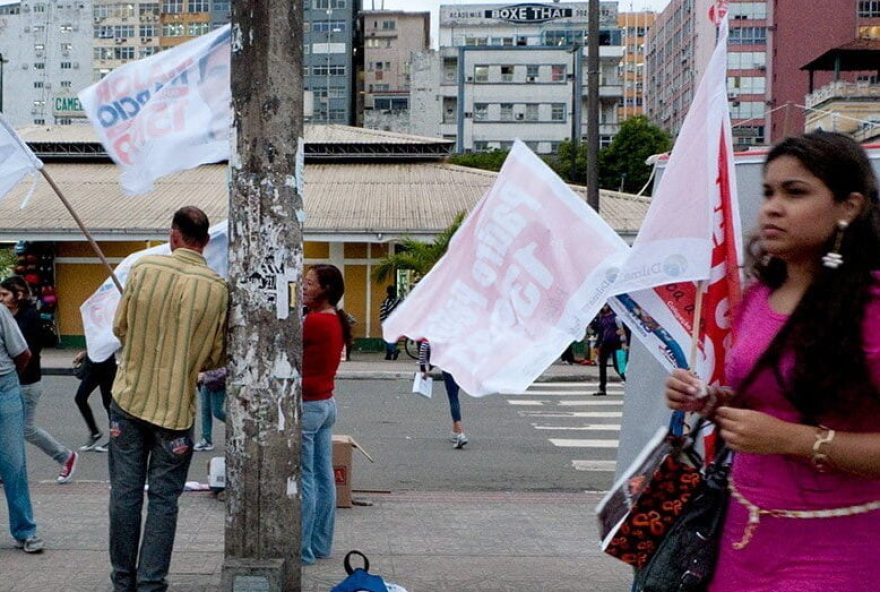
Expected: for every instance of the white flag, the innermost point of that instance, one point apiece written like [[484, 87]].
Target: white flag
[[166, 113], [524, 274], [16, 159], [98, 310]]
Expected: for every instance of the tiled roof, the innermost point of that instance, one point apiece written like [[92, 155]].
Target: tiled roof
[[343, 201]]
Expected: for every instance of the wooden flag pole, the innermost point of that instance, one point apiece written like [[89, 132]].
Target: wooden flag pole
[[695, 330], [82, 227]]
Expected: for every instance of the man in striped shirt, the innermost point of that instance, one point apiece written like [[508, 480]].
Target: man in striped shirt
[[171, 321]]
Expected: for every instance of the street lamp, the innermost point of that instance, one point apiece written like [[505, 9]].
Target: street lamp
[[2, 61]]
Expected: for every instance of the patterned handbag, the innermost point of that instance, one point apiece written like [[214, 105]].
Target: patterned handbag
[[636, 514]]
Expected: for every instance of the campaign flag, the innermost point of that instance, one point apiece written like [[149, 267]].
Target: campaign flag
[[98, 310], [691, 234], [522, 277], [166, 113], [16, 159]]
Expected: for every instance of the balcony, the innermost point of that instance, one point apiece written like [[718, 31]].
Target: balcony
[[844, 107], [843, 91]]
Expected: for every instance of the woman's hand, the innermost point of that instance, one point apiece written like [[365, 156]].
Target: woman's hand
[[79, 358], [685, 392], [745, 430]]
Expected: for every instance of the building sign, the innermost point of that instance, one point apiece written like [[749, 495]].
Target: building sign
[[67, 107], [529, 13]]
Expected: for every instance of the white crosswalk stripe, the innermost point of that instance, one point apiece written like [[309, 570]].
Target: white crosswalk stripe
[[567, 410]]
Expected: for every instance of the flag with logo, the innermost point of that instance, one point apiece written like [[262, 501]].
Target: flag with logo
[[98, 310], [690, 239], [16, 159], [166, 113], [523, 276]]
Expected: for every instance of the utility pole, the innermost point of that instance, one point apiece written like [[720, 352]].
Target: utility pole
[[265, 271], [577, 86], [593, 105]]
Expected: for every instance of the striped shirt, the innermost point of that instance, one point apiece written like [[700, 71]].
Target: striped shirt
[[172, 324]]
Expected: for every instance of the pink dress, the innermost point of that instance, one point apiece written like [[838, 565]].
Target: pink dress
[[797, 555]]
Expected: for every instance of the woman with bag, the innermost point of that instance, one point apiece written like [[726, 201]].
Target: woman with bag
[[326, 331], [94, 375], [457, 435], [803, 418]]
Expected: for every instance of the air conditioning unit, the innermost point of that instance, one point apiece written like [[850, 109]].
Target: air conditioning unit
[[146, 39], [762, 68], [520, 116], [530, 79], [470, 78], [98, 19], [119, 41]]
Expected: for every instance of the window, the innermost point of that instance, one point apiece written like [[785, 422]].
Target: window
[[39, 7], [147, 8], [66, 65], [506, 73], [172, 6], [506, 111], [123, 31], [196, 29], [748, 35], [198, 6], [746, 109], [149, 31], [557, 112], [63, 120], [65, 28], [557, 73], [532, 73], [481, 73], [332, 26], [746, 60], [66, 46], [746, 85], [65, 84], [333, 70], [144, 52], [39, 66], [39, 104], [123, 53], [174, 30], [329, 4], [389, 25], [103, 32], [747, 10], [531, 112], [476, 41], [450, 69], [103, 53], [869, 8], [38, 84], [221, 6], [481, 146], [481, 111], [39, 121], [391, 103]]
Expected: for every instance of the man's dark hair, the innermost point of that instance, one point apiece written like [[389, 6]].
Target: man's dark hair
[[192, 223]]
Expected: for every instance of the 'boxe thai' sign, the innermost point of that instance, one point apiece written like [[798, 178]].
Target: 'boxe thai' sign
[[529, 13]]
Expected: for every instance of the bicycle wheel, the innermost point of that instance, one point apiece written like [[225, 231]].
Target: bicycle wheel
[[412, 348]]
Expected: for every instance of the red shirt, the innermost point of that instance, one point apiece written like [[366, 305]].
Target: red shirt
[[322, 350]]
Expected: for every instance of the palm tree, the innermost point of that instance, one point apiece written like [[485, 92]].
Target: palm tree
[[417, 256]]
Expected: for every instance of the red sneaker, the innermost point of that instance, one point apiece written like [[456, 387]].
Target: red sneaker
[[67, 469]]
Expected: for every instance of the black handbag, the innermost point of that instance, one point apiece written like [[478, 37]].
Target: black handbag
[[685, 559]]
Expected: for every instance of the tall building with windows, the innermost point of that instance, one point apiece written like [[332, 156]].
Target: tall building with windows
[[124, 32], [182, 20], [518, 71], [389, 39], [46, 59], [330, 59], [634, 30]]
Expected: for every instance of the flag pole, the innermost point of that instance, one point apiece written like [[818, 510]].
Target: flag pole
[[82, 228], [695, 329]]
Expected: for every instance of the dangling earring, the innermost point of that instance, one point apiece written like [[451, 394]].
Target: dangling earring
[[833, 259]]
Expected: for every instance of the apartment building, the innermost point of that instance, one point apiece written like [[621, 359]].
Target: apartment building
[[519, 71], [389, 40], [634, 28]]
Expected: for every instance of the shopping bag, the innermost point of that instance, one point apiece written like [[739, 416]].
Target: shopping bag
[[422, 386], [647, 500], [621, 358]]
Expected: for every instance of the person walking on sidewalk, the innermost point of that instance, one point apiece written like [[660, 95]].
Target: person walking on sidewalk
[[326, 331], [14, 357], [16, 296], [611, 338], [385, 309], [171, 321], [457, 436], [212, 403], [94, 375]]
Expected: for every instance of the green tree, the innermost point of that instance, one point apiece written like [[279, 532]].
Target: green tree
[[7, 261], [622, 164], [488, 161], [561, 162], [417, 256]]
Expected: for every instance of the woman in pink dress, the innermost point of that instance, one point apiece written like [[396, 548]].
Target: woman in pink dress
[[803, 415]]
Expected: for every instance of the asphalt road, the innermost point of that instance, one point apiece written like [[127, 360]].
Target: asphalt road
[[510, 446]]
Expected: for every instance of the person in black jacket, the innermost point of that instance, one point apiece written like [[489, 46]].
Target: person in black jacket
[[16, 296]]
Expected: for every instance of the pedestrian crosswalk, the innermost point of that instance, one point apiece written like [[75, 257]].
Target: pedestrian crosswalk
[[585, 427]]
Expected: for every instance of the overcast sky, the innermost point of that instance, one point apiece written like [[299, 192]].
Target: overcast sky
[[433, 6]]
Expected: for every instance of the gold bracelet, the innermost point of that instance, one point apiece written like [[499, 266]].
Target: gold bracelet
[[819, 459]]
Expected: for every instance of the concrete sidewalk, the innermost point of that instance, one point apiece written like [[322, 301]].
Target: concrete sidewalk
[[425, 542], [363, 365]]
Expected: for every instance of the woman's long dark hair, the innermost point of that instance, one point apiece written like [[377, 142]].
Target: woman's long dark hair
[[18, 286], [330, 280], [825, 330]]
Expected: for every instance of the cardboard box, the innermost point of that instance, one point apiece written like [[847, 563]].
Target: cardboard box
[[342, 462]]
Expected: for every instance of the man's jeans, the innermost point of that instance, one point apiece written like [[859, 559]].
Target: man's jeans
[[13, 466], [318, 481], [139, 452], [211, 404], [38, 436]]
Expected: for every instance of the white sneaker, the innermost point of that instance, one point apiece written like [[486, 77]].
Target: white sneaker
[[460, 440], [203, 446], [453, 437]]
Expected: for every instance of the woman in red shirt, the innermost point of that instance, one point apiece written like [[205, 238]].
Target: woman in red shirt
[[325, 332]]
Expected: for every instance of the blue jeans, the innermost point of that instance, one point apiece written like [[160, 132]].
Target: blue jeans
[[13, 466], [211, 404], [35, 435], [318, 480], [452, 389], [142, 452]]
